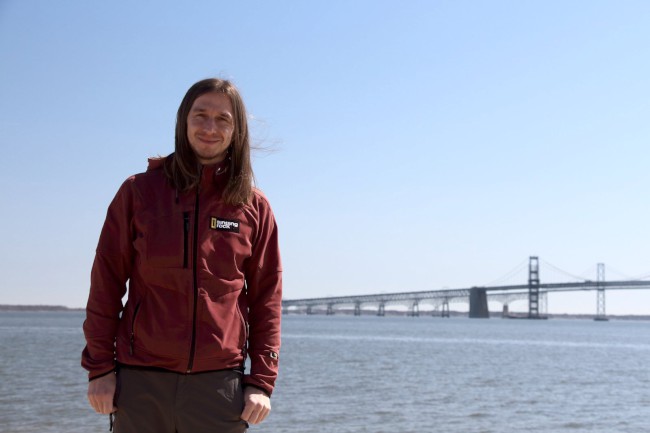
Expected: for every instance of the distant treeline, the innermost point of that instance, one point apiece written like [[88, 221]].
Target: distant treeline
[[37, 308]]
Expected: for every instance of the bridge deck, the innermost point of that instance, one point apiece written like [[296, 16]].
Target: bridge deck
[[452, 294]]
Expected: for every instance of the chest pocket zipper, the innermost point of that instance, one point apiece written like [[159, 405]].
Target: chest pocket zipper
[[186, 236]]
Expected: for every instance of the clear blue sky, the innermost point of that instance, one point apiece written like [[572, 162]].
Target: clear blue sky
[[416, 145]]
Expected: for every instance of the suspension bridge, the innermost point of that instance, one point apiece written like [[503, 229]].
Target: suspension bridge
[[477, 297]]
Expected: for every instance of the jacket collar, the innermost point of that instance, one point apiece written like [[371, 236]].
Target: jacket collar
[[214, 172]]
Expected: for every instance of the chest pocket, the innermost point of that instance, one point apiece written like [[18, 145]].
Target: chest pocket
[[166, 240]]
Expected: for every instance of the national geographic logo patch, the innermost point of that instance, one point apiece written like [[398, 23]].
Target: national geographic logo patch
[[224, 225]]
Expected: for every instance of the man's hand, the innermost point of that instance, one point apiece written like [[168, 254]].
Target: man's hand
[[257, 405], [101, 392]]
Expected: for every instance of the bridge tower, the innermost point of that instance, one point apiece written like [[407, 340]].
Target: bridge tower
[[533, 287], [600, 293]]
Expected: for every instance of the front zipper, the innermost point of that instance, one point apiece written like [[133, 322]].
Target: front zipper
[[135, 315], [195, 281], [186, 235]]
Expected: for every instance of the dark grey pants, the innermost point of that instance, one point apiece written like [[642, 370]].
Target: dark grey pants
[[165, 402]]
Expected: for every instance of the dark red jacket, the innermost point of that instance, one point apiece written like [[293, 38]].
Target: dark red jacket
[[204, 279]]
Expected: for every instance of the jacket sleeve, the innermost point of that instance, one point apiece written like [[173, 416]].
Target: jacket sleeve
[[264, 293], [110, 272]]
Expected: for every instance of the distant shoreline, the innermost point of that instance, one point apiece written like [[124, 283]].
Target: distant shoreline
[[38, 308], [493, 314]]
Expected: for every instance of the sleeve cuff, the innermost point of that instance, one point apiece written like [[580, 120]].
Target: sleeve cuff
[[91, 378], [248, 381], [250, 385]]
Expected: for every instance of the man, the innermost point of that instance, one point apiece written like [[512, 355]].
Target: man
[[198, 246]]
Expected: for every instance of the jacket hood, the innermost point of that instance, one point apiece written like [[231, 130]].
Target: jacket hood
[[154, 163]]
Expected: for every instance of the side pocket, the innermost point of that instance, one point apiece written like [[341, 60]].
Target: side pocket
[[133, 321], [238, 393], [244, 330]]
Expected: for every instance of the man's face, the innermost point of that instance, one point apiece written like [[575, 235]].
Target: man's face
[[210, 125]]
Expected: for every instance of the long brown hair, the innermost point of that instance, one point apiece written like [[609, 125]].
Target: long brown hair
[[182, 168]]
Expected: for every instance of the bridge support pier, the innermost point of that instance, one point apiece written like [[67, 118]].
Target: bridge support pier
[[381, 311], [478, 306], [330, 310], [357, 309], [415, 309], [309, 310], [444, 311]]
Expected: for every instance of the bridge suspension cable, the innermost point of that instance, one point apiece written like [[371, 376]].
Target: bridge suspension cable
[[588, 274], [510, 274], [641, 277], [568, 274], [617, 272]]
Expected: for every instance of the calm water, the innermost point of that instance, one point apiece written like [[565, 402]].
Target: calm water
[[378, 374]]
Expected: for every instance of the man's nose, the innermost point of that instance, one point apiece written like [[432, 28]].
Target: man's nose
[[210, 125]]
